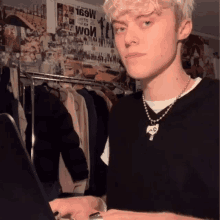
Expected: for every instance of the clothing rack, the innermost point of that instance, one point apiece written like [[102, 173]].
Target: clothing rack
[[57, 78], [32, 114], [67, 79]]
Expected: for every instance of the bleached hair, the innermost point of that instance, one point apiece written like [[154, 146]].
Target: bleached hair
[[183, 9]]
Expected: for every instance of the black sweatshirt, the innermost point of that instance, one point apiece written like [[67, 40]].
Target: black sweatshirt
[[178, 171], [54, 135]]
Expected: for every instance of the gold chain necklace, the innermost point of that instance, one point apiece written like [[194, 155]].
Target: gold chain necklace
[[153, 128]]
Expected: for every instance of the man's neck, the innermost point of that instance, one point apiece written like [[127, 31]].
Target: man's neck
[[166, 86]]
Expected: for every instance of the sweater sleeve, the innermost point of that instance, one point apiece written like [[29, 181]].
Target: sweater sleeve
[[72, 154], [57, 128]]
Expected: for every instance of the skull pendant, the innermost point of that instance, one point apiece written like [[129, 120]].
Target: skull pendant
[[152, 130]]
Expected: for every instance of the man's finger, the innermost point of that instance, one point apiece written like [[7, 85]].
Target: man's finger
[[81, 216], [53, 205], [102, 213]]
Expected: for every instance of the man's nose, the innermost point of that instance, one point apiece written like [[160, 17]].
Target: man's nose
[[131, 37]]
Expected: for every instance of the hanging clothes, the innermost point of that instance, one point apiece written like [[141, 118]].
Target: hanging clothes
[[113, 98], [16, 103], [105, 154], [92, 134], [9, 104], [93, 188], [54, 133], [107, 100], [59, 92], [66, 182], [119, 96], [100, 169], [76, 106], [65, 179]]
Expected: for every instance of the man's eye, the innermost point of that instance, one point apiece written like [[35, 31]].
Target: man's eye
[[117, 30], [147, 23]]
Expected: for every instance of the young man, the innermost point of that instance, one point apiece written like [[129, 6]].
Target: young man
[[164, 141]]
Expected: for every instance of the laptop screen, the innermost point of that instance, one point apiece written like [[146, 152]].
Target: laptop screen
[[21, 193]]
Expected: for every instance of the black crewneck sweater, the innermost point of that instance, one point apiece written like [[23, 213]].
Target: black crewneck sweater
[[178, 171]]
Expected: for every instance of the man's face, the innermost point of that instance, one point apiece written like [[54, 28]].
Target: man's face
[[13, 32], [152, 36], [32, 55]]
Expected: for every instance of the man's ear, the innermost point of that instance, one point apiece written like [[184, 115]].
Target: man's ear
[[185, 29]]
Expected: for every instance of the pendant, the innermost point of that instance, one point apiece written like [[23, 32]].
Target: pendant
[[152, 130]]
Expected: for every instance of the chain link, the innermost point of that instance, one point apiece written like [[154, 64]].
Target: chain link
[[178, 97]]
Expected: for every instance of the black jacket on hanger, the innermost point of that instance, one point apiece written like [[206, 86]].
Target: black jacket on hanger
[[54, 133], [8, 104], [100, 168], [92, 116]]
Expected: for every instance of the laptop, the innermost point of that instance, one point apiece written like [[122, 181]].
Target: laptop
[[21, 193]]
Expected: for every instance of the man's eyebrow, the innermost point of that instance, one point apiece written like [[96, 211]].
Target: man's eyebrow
[[138, 17], [144, 15], [120, 22]]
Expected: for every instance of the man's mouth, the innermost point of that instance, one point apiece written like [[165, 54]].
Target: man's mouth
[[134, 55]]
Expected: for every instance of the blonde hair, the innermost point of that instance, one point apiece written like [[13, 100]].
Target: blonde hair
[[183, 9]]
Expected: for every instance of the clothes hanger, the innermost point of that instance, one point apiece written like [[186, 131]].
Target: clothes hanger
[[88, 87], [45, 84]]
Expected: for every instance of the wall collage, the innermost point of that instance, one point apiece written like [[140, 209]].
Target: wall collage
[[82, 44]]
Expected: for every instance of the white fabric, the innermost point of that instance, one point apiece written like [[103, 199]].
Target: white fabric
[[157, 106], [105, 155]]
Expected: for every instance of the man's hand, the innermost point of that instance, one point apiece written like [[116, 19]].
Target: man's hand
[[80, 208], [76, 207], [127, 215], [114, 214]]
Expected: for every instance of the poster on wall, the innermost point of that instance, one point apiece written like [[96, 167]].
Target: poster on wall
[[74, 40], [22, 34], [81, 46], [199, 56], [86, 40]]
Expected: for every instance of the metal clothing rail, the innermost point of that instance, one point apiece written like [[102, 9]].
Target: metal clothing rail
[[67, 81], [79, 81], [32, 115]]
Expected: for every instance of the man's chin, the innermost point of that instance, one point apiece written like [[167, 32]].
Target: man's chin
[[137, 75]]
